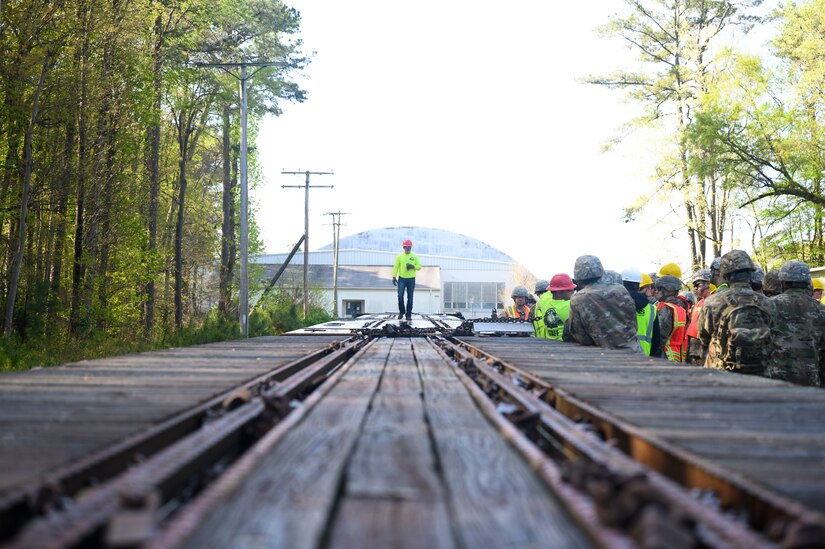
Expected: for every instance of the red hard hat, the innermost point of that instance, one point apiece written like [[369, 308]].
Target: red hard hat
[[561, 282], [406, 243]]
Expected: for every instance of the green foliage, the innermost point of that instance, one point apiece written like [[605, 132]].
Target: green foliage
[[16, 354], [763, 132], [116, 70], [279, 313], [674, 41]]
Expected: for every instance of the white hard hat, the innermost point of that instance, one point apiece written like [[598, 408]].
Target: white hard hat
[[632, 274]]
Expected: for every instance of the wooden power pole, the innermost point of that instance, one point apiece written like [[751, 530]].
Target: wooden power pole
[[306, 186], [336, 236]]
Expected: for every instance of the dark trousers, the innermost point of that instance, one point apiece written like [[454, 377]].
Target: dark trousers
[[408, 285]]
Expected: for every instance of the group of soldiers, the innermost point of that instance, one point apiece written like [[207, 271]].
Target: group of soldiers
[[736, 318]]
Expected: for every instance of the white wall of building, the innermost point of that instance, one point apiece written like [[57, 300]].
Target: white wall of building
[[425, 300]]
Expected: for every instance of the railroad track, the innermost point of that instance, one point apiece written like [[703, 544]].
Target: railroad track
[[392, 439], [558, 417]]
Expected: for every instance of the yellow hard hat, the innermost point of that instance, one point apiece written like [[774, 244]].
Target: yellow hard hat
[[818, 284], [671, 269], [646, 280]]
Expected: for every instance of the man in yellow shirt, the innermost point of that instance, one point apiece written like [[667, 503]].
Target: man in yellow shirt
[[403, 276]]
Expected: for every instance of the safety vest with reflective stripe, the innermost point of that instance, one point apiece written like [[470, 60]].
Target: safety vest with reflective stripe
[[511, 312], [644, 327], [675, 348]]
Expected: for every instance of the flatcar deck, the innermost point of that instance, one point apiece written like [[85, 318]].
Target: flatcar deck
[[390, 433], [399, 455], [768, 431], [51, 417]]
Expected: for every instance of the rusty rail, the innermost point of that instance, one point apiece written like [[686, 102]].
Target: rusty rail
[[628, 496], [670, 468], [128, 509]]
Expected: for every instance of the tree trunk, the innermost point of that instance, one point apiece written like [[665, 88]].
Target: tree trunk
[[11, 174], [228, 228], [17, 262], [179, 236], [61, 207], [153, 134], [106, 161], [78, 266]]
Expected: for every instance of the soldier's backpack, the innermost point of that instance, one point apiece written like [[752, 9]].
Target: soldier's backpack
[[745, 334]]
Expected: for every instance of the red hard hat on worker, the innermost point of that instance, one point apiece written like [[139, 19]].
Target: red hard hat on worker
[[561, 282], [406, 243]]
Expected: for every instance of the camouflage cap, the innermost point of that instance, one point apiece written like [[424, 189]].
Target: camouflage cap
[[758, 275], [735, 260], [541, 285], [704, 274], [795, 271], [588, 267], [520, 291], [669, 283], [612, 277], [771, 284], [715, 264]]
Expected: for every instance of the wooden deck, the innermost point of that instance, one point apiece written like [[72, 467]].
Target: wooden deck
[[768, 431], [397, 454], [54, 416]]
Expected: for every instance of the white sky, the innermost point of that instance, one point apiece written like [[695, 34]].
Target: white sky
[[464, 115]]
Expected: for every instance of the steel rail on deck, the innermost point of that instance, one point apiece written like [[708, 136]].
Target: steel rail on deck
[[181, 527], [125, 510], [616, 476], [773, 515]]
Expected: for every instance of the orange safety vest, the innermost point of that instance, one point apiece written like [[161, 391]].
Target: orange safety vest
[[676, 348], [693, 327], [512, 312]]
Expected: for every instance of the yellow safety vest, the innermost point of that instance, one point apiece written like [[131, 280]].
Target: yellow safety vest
[[644, 327]]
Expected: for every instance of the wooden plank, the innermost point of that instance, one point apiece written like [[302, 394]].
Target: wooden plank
[[394, 457], [54, 416], [493, 497], [393, 496], [387, 523], [289, 497], [762, 429]]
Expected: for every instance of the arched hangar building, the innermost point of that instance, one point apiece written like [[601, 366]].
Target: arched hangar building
[[459, 273]]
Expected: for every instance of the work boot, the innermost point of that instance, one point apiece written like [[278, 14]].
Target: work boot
[[409, 317], [400, 316]]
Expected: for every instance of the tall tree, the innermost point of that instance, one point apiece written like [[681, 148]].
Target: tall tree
[[105, 123], [673, 40], [765, 127]]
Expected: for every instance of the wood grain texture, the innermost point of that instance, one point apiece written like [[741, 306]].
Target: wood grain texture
[[495, 500], [768, 431], [288, 500], [53, 416]]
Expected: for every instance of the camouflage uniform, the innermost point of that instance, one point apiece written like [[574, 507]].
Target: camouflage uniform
[[612, 277], [665, 314], [757, 278], [800, 331], [715, 266], [601, 314], [736, 294], [771, 284]]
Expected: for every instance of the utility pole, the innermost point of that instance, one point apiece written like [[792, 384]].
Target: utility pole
[[306, 186], [336, 235], [229, 68]]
